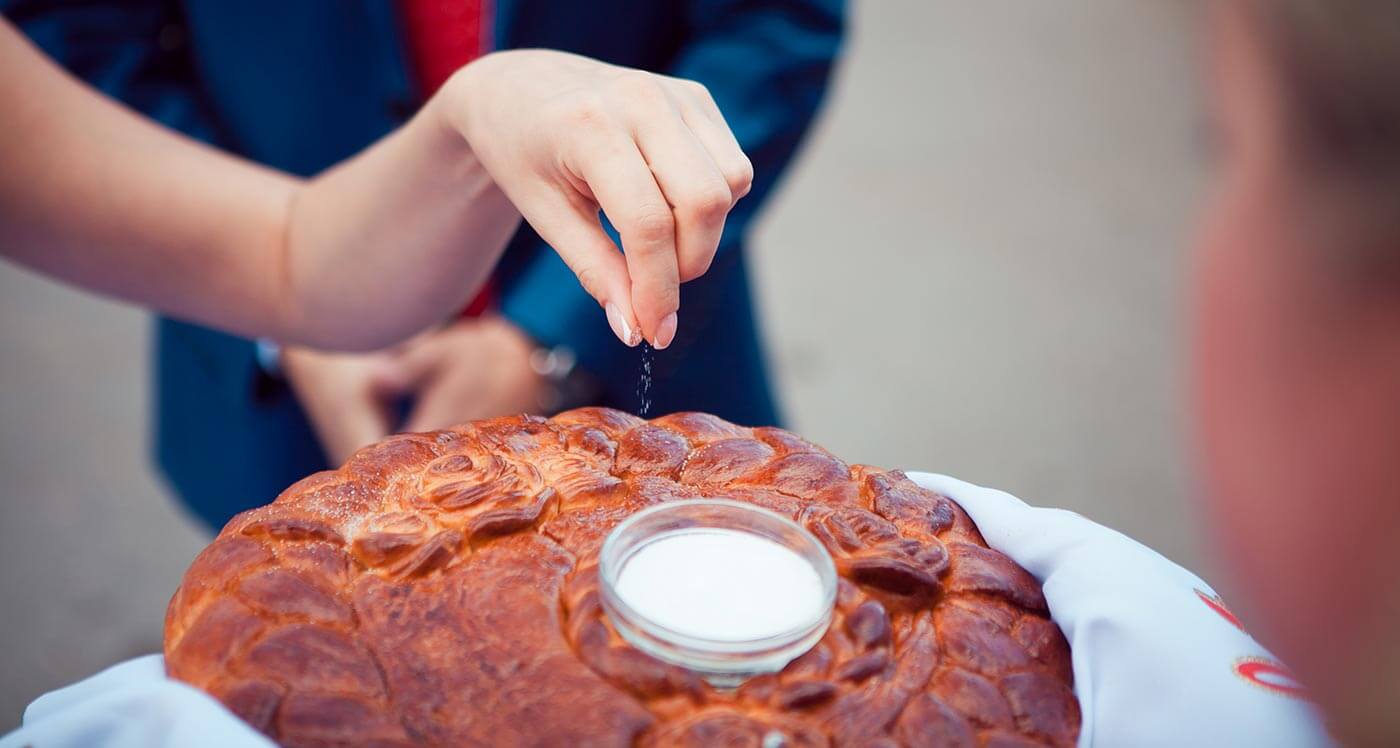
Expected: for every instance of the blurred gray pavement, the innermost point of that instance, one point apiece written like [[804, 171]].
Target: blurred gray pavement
[[975, 269]]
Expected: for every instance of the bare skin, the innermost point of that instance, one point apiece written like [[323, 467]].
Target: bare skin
[[470, 369], [392, 240], [1296, 365]]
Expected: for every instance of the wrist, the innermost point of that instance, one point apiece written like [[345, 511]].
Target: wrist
[[447, 137], [452, 105], [448, 118]]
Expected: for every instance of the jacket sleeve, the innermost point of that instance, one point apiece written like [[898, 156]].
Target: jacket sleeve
[[767, 63], [133, 51]]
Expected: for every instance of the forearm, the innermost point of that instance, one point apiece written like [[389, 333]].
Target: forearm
[[415, 221], [367, 253], [98, 196]]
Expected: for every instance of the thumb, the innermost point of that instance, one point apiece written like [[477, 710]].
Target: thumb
[[572, 228], [435, 408], [404, 372], [360, 423]]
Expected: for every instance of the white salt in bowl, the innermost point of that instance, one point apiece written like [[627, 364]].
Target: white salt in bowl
[[723, 588]]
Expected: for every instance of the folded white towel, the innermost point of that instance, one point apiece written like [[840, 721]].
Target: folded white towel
[[1159, 660]]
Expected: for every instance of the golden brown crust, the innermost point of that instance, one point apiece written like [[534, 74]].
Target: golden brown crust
[[442, 589]]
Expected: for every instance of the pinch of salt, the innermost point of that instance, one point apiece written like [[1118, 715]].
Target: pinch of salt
[[722, 585]]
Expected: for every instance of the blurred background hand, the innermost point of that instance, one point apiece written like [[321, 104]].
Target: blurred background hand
[[337, 391], [470, 369], [473, 368]]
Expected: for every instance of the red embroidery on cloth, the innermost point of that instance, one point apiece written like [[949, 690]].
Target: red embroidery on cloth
[[1269, 675], [1216, 604]]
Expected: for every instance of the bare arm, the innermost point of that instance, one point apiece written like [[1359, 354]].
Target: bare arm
[[374, 249]]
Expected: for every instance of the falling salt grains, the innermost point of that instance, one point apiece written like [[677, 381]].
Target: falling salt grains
[[644, 381]]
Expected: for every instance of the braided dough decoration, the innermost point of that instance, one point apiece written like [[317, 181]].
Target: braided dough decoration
[[442, 589]]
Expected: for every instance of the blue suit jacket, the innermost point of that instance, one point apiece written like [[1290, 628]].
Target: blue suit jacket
[[302, 84]]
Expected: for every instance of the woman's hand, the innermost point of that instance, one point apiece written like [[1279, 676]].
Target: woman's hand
[[339, 394], [470, 369], [564, 136]]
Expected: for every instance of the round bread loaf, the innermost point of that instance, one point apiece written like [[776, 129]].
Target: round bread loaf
[[442, 589]]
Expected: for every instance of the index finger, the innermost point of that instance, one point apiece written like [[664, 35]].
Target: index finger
[[625, 188]]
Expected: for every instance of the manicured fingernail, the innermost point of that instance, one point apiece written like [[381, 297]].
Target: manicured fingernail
[[620, 328], [666, 332]]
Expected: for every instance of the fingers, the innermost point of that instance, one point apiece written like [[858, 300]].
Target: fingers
[[402, 372], [572, 228], [338, 398], [656, 156], [703, 117], [412, 371], [436, 408], [670, 206], [692, 184], [359, 422], [624, 186]]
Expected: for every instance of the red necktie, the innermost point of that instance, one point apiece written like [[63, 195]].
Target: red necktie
[[443, 35]]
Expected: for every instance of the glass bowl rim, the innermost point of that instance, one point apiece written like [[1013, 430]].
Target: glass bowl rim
[[610, 569]]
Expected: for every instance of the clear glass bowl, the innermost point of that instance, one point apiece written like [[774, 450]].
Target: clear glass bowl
[[724, 662]]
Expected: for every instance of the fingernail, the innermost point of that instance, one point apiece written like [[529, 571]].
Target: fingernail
[[620, 328], [666, 332]]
